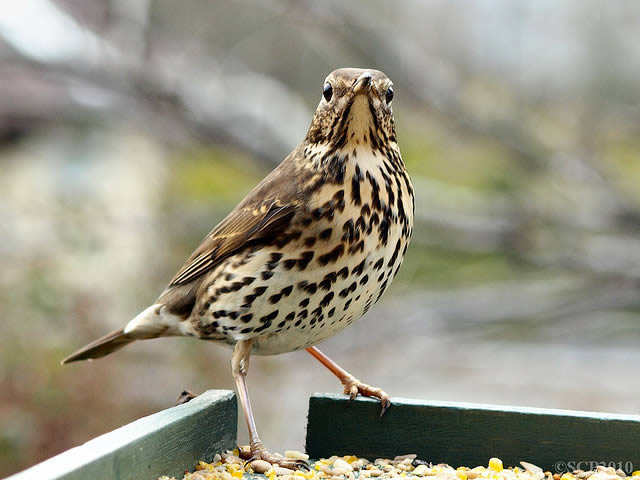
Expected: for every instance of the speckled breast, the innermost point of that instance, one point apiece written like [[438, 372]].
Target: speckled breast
[[330, 266]]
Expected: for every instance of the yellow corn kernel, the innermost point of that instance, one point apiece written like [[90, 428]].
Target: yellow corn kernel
[[232, 467], [309, 474], [237, 474], [461, 475], [567, 476], [350, 458], [495, 464], [636, 473]]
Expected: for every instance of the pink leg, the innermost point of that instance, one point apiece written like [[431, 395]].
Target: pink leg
[[239, 368], [352, 386]]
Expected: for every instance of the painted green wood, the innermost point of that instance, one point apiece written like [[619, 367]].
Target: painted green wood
[[165, 443], [469, 434]]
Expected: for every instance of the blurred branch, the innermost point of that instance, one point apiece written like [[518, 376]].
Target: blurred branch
[[111, 82]]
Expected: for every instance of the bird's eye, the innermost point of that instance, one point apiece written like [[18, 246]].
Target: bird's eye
[[327, 91], [389, 95]]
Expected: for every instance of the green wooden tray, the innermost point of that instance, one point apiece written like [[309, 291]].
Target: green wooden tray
[[467, 434], [165, 443], [174, 440]]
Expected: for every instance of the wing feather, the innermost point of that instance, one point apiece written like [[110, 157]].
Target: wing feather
[[264, 212]]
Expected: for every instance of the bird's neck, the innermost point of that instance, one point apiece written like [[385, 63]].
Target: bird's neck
[[369, 152]]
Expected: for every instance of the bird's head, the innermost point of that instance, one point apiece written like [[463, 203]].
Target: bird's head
[[355, 110]]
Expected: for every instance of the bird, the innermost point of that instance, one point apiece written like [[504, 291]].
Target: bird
[[306, 253]]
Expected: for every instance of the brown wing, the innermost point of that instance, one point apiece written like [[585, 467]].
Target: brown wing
[[239, 228], [264, 212]]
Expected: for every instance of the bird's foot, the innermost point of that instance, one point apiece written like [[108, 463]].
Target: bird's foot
[[184, 397], [258, 452], [353, 387]]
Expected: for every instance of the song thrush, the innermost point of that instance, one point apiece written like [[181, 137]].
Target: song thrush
[[305, 254]]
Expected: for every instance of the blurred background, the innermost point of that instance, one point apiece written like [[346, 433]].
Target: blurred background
[[128, 129]]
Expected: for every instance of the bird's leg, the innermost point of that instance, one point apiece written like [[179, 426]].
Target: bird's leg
[[239, 368], [352, 386]]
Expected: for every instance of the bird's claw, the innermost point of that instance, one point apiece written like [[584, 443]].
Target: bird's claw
[[353, 387], [258, 452]]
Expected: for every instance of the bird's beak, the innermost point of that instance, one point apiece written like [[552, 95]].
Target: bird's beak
[[362, 84]]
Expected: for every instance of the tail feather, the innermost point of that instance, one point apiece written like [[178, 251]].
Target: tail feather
[[103, 346]]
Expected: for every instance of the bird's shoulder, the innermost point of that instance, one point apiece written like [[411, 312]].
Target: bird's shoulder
[[266, 209]]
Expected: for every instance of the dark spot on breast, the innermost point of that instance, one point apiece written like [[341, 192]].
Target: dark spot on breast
[[378, 264], [383, 231], [273, 299], [349, 231], [304, 302], [308, 287], [355, 187], [364, 280], [248, 280], [358, 246], [338, 201], [332, 256], [304, 259], [344, 272], [393, 258], [290, 316], [326, 300], [325, 234], [358, 269], [382, 289], [274, 258], [266, 275], [289, 264], [309, 242], [246, 318], [269, 317], [303, 314], [331, 312], [336, 167], [286, 291]]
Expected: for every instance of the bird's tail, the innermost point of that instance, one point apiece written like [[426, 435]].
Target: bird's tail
[[103, 346], [153, 322]]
